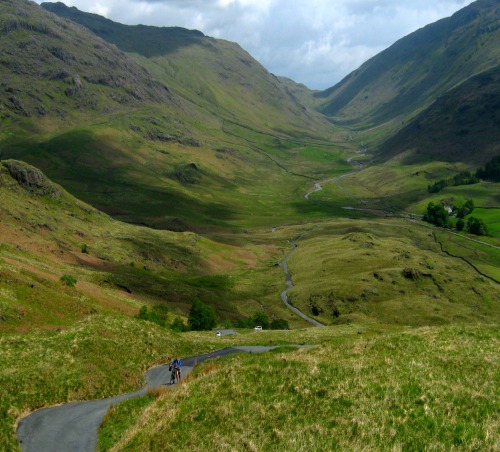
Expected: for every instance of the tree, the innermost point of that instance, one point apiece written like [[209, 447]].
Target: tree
[[476, 226], [460, 224], [261, 319], [437, 214], [466, 209], [201, 317], [491, 170]]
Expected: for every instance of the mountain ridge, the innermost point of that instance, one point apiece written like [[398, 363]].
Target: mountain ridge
[[403, 77]]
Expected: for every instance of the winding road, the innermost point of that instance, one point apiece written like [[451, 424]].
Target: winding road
[[289, 283], [73, 427]]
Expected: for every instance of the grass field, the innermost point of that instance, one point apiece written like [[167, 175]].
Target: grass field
[[412, 389]]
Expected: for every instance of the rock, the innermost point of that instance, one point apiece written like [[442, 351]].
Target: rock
[[30, 178], [75, 88]]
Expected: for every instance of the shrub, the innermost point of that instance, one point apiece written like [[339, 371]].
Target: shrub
[[69, 280], [85, 248], [179, 325], [158, 314]]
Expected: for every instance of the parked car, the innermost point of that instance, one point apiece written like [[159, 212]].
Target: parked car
[[258, 328], [218, 333]]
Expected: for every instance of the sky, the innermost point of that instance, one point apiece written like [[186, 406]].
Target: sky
[[314, 42]]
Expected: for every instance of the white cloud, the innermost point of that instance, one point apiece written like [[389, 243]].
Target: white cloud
[[315, 42]]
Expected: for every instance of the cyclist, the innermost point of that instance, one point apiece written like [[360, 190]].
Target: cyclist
[[177, 364]]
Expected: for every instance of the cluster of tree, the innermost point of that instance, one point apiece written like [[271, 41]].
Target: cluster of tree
[[261, 319], [491, 170], [463, 178], [202, 317], [438, 215], [465, 209], [475, 226]]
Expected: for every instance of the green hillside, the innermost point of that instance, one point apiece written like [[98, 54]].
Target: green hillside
[[418, 68], [460, 126]]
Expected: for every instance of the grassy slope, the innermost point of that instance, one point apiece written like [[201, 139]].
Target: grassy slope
[[79, 331], [356, 272], [214, 74], [43, 236], [427, 388]]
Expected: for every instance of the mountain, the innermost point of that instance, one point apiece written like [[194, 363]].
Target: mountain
[[462, 125], [181, 138], [52, 67], [215, 74], [417, 69]]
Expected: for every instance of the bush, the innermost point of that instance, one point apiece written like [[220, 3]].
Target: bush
[[69, 280], [179, 325], [85, 248], [158, 314], [201, 317]]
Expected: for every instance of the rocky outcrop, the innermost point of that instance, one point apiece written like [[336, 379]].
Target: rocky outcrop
[[29, 178]]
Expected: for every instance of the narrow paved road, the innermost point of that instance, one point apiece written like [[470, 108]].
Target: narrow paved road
[[73, 427], [289, 283]]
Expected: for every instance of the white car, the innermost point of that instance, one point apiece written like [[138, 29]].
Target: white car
[[218, 333], [258, 328]]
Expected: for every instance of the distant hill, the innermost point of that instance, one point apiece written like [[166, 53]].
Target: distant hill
[[461, 125], [417, 69]]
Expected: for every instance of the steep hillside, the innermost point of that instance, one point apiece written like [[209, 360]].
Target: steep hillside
[[54, 68], [462, 125], [215, 74], [415, 70]]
